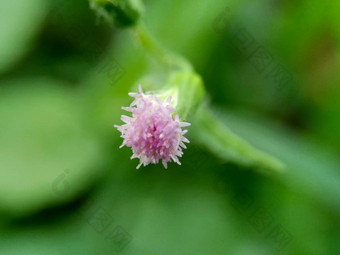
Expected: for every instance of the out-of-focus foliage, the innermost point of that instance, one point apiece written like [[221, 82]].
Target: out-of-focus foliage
[[60, 166], [19, 22], [42, 135]]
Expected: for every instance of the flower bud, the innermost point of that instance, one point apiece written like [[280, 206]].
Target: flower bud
[[153, 132], [187, 91], [121, 13]]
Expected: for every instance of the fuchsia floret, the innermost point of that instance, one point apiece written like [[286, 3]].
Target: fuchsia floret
[[152, 132]]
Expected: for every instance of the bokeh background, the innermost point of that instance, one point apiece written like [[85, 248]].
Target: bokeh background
[[66, 188]]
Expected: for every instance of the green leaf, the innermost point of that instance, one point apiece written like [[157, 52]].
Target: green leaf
[[47, 155], [312, 168], [219, 139], [19, 21]]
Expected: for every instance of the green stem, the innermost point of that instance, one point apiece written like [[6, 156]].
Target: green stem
[[161, 55]]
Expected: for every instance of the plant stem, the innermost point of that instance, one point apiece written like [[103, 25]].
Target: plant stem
[[161, 55]]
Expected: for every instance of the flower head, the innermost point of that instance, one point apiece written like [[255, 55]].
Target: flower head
[[152, 132]]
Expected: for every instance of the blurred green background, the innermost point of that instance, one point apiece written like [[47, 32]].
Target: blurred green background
[[66, 188]]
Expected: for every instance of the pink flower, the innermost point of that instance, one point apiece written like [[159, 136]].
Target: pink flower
[[152, 132]]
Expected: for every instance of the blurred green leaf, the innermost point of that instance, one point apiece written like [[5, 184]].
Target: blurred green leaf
[[312, 169], [19, 22], [219, 139], [47, 155]]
